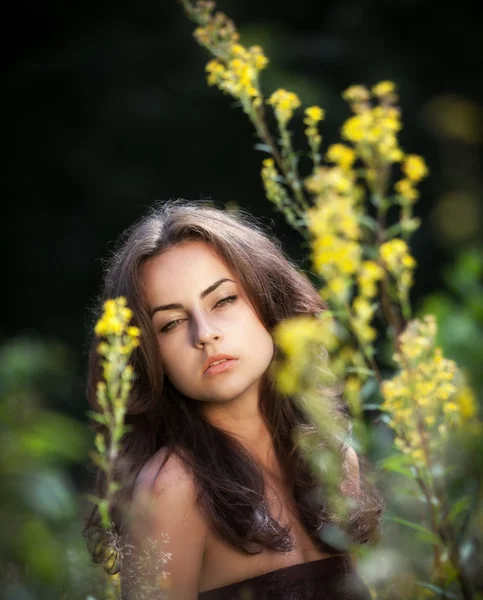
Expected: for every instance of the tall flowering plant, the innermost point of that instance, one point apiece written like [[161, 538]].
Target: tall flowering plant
[[365, 266], [143, 572], [117, 341]]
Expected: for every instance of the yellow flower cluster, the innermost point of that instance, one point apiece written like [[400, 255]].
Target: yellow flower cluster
[[363, 305], [334, 225], [467, 403], [374, 129], [415, 169], [114, 325], [238, 74], [422, 399], [341, 155], [362, 315], [385, 90], [273, 189], [370, 273], [313, 116], [400, 264], [283, 103], [302, 339]]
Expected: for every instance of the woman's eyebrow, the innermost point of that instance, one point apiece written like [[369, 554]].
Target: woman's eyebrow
[[203, 294]]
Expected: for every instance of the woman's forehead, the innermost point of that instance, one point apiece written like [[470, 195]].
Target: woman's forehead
[[184, 268]]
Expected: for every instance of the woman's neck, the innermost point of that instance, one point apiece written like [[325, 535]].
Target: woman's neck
[[248, 427]]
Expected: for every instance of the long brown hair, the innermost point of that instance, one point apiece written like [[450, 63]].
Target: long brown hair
[[229, 481]]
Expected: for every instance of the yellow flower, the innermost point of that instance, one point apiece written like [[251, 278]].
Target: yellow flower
[[414, 167], [356, 93], [133, 332], [393, 253], [259, 60], [384, 88], [238, 50], [370, 273], [467, 403], [215, 71], [353, 129], [314, 114], [405, 187], [422, 398], [400, 264], [337, 286], [284, 103], [341, 155], [115, 321], [352, 392]]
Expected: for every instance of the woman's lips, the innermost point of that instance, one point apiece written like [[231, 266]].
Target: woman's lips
[[221, 367]]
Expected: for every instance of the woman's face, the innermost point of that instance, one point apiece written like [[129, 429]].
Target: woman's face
[[211, 317]]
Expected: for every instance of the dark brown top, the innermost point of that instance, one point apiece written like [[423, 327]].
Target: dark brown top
[[332, 578]]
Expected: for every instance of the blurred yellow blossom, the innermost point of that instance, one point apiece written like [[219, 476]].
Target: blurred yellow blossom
[[314, 114], [342, 155], [405, 187], [356, 93], [395, 254], [414, 167], [334, 225], [400, 264], [114, 326], [302, 340], [354, 129], [362, 315], [284, 103], [384, 88], [370, 273], [467, 404]]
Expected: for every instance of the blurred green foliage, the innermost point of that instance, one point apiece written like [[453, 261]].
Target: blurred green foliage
[[42, 553]]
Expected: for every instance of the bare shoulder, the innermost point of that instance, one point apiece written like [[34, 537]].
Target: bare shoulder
[[165, 512], [162, 471]]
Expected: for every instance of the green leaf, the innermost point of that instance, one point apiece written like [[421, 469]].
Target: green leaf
[[397, 463], [429, 535], [100, 443], [369, 389], [95, 416], [368, 222], [458, 507], [91, 498], [263, 148], [99, 460], [360, 371], [393, 230]]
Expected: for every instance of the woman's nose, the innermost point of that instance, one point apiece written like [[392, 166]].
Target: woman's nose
[[205, 331]]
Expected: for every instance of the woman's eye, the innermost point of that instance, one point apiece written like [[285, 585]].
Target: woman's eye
[[225, 300], [169, 326]]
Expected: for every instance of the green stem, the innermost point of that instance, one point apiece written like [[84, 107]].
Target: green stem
[[291, 170]]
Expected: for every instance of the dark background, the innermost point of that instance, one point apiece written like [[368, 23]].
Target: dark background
[[106, 110]]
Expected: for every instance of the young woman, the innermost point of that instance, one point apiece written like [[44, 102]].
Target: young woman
[[212, 442]]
